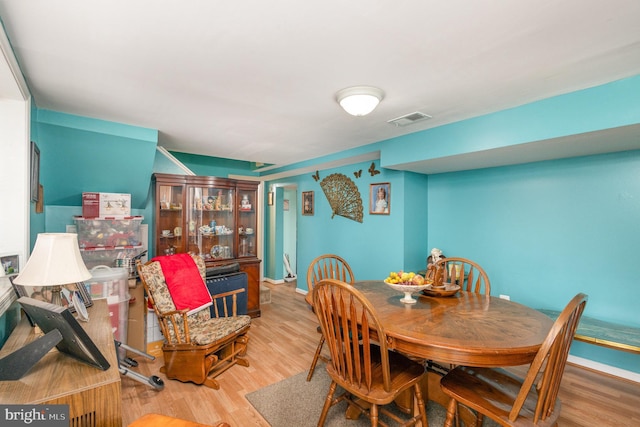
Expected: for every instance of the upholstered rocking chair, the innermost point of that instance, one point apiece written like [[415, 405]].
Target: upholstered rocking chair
[[204, 335]]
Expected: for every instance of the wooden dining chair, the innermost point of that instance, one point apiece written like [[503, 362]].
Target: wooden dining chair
[[471, 277], [360, 362], [466, 273], [513, 401], [326, 266]]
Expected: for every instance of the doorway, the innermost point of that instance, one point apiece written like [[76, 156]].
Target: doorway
[[289, 231]]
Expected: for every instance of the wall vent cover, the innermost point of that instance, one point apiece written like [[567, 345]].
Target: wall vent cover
[[408, 119]]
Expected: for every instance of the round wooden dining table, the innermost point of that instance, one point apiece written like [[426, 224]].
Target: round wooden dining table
[[462, 329]]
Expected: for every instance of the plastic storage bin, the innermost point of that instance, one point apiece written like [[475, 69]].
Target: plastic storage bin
[[112, 284], [108, 233], [104, 240], [99, 257]]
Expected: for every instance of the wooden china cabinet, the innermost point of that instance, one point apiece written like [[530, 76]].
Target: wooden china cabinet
[[215, 218]]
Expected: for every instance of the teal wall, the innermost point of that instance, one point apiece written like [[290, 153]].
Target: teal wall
[[545, 231], [273, 236], [379, 244], [162, 164], [215, 166], [79, 154], [599, 108], [9, 320]]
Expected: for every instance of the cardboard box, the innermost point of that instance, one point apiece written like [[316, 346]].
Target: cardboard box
[[155, 348], [137, 324], [105, 205]]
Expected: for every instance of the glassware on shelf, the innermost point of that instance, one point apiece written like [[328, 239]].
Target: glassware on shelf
[[187, 203]]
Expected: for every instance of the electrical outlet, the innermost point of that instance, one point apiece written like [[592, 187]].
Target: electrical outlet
[[507, 297]]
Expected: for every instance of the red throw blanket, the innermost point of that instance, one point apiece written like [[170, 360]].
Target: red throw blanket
[[184, 281]]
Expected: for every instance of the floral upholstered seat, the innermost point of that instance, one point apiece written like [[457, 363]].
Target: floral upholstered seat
[[197, 346]]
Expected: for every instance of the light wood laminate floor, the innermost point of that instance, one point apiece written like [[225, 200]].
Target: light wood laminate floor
[[282, 343]]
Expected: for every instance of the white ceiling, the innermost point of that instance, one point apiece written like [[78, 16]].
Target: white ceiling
[[256, 80]]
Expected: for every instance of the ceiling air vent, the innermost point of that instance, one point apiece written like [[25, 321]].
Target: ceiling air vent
[[408, 119]]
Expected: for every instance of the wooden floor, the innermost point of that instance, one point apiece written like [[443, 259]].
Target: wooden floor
[[282, 343]]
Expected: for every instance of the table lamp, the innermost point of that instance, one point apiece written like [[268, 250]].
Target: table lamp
[[54, 262]]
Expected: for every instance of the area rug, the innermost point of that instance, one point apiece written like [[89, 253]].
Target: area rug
[[294, 402]]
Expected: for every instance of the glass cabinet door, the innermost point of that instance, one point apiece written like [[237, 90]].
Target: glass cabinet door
[[169, 239], [210, 222], [247, 222]]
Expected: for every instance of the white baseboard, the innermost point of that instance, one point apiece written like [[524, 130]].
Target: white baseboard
[[606, 369]]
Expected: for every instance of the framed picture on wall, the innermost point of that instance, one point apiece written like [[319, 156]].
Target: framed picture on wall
[[307, 203], [35, 171], [285, 205], [10, 264], [380, 198]]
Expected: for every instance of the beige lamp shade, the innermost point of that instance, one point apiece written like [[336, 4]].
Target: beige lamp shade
[[55, 260]]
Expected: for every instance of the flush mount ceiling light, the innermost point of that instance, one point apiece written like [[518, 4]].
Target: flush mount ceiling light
[[359, 100]]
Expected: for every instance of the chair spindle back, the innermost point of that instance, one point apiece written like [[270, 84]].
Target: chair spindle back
[[466, 273], [551, 360], [328, 266], [349, 324]]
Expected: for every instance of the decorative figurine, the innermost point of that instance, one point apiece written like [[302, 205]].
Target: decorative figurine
[[245, 204], [435, 275], [436, 255]]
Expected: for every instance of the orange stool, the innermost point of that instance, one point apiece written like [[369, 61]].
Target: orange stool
[[157, 420]]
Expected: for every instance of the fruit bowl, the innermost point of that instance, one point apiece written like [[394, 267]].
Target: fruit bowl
[[407, 290]]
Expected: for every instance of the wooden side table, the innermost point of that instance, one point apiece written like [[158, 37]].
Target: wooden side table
[[93, 395]]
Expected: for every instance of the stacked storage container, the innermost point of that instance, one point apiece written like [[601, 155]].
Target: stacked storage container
[[104, 240], [112, 284]]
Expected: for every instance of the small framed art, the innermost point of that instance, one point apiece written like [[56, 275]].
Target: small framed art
[[10, 264], [380, 198], [307, 203]]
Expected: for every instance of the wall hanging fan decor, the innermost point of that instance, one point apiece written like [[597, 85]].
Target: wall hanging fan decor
[[343, 196]]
